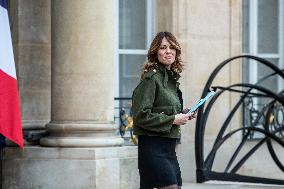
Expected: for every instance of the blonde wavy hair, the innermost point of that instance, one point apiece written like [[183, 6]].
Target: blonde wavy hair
[[152, 58]]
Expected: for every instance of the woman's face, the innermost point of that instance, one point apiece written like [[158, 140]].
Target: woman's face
[[166, 53]]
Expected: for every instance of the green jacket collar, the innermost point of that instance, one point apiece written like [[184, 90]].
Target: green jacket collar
[[167, 73]]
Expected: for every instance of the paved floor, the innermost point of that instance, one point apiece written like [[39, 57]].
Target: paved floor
[[229, 185]]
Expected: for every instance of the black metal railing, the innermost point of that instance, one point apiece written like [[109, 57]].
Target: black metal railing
[[123, 117], [259, 119], [254, 116]]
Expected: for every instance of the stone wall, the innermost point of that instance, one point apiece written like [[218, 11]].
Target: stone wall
[[82, 148]]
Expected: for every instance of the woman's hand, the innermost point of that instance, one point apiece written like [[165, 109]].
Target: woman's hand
[[192, 115], [181, 119], [185, 111]]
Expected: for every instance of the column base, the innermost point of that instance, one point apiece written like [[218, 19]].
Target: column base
[[33, 130], [81, 135], [34, 124], [81, 142]]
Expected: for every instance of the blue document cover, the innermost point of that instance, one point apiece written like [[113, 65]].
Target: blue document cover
[[201, 101]]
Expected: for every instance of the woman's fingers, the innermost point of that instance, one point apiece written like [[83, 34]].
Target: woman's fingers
[[185, 111], [192, 116], [181, 119]]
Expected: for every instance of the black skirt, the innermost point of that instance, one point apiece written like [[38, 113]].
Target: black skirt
[[157, 162]]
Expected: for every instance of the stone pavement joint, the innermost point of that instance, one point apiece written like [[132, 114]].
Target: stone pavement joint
[[229, 185]]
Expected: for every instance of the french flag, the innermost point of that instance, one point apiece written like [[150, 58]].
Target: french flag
[[10, 115]]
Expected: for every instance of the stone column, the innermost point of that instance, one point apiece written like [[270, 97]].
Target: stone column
[[30, 24], [82, 96]]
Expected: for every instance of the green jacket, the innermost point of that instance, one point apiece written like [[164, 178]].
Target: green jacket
[[155, 103]]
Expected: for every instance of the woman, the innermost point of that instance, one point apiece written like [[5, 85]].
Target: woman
[[158, 114]]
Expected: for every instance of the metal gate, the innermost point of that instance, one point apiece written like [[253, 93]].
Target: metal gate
[[271, 129]]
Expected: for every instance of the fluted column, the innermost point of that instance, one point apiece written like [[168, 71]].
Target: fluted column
[[82, 99]]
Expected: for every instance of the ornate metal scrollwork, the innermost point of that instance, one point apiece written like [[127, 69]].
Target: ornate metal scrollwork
[[126, 120], [126, 125], [256, 117], [266, 120]]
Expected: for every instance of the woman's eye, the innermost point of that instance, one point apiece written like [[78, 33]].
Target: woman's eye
[[172, 47], [163, 47]]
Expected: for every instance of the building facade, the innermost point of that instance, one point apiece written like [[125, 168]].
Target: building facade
[[73, 58]]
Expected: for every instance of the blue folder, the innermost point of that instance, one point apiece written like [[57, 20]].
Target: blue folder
[[201, 101]]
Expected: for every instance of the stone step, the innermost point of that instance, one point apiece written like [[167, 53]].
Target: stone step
[[229, 185]]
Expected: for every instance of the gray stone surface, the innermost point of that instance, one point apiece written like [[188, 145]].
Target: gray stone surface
[[73, 168], [228, 185], [31, 26]]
